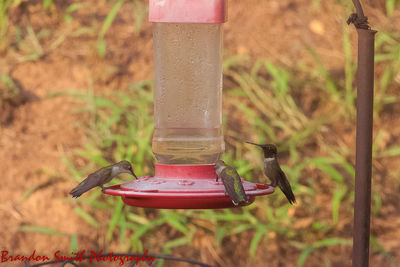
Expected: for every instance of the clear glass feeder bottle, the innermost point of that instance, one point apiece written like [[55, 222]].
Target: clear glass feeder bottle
[[187, 92]]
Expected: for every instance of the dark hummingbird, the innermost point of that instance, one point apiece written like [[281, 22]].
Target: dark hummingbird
[[101, 177], [274, 171], [232, 182]]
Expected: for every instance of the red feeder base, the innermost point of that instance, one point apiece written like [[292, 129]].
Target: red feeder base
[[182, 187]]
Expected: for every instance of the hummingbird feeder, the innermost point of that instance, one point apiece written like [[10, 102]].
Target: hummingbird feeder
[[188, 136]]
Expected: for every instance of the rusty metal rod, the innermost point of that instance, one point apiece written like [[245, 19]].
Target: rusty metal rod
[[359, 10], [365, 94]]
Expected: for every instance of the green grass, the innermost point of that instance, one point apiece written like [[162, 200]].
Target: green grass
[[101, 44], [140, 10], [9, 88], [4, 6], [73, 238], [391, 5], [28, 41], [5, 41]]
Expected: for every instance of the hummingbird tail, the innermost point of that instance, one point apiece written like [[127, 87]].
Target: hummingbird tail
[[77, 192], [235, 192], [80, 189], [287, 190]]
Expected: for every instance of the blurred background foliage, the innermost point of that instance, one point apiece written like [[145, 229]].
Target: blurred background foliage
[[305, 107]]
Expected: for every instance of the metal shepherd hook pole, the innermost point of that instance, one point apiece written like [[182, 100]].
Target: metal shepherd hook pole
[[365, 94]]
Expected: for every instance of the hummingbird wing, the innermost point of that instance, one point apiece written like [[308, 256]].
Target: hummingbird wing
[[97, 178], [233, 185], [285, 187], [278, 178]]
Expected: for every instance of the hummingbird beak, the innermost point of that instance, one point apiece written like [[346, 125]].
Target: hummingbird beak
[[133, 173], [254, 144]]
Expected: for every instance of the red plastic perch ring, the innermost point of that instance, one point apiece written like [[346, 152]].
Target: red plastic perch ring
[[182, 187]]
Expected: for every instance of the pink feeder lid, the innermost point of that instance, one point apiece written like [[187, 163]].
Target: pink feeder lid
[[187, 11]]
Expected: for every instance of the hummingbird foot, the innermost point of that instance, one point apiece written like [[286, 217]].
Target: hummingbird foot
[[216, 178]]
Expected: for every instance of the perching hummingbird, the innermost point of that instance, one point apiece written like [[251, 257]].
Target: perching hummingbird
[[101, 177], [232, 182], [274, 171]]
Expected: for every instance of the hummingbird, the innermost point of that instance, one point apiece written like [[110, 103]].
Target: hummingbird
[[232, 182], [101, 177], [274, 171]]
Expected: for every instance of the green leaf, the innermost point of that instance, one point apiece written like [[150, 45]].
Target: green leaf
[[256, 239], [89, 219], [323, 243], [378, 247], [175, 223], [376, 205], [73, 242], [220, 233], [101, 47], [47, 3], [304, 255], [115, 218], [123, 226], [75, 173], [40, 229], [176, 243], [69, 10], [110, 18], [332, 242], [391, 152], [143, 229], [390, 5], [241, 228], [338, 195], [138, 219]]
